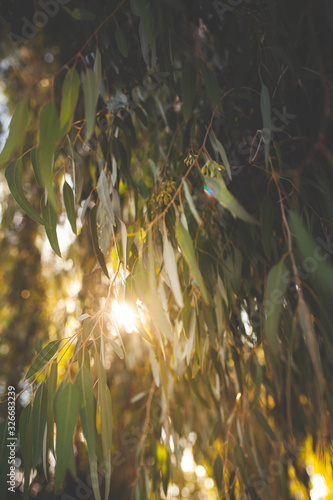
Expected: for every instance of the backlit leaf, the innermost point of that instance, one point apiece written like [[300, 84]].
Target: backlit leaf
[[103, 190], [84, 385], [117, 348], [98, 253], [217, 189], [17, 128], [171, 268], [35, 166], [26, 444], [277, 282], [70, 205], [48, 134], [51, 385], [70, 94], [191, 203], [43, 357], [186, 244], [91, 85], [13, 174], [39, 413], [218, 147]]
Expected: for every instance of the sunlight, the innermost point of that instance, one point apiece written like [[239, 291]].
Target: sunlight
[[187, 463], [124, 315], [319, 490]]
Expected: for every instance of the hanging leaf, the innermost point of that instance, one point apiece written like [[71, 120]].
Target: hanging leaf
[[17, 128], [277, 282], [35, 166], [310, 337], [241, 463], [43, 357], [26, 445], [171, 268], [39, 413], [218, 147], [51, 385], [122, 42], [218, 471], [103, 190], [265, 105], [186, 244], [70, 94], [146, 18], [211, 82], [84, 385], [191, 204], [67, 409], [91, 85], [70, 205], [116, 347], [48, 134], [51, 219], [4, 465], [262, 421], [13, 174], [188, 89], [217, 189], [84, 208], [98, 253]]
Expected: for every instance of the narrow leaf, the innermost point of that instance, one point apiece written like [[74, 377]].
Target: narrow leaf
[[39, 412], [35, 166], [218, 471], [262, 421], [186, 245], [50, 218], [217, 189], [99, 255], [211, 82], [103, 190], [70, 205], [17, 128], [171, 268], [43, 357], [277, 282], [48, 134], [70, 94], [84, 385], [51, 385], [191, 204], [122, 42], [67, 409], [218, 147], [117, 348], [13, 174], [26, 445]]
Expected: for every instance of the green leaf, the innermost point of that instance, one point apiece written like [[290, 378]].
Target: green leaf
[[211, 82], [50, 218], [43, 357], [70, 205], [48, 134], [26, 445], [17, 128], [116, 347], [91, 85], [103, 189], [171, 269], [98, 253], [70, 94], [186, 245], [146, 19], [265, 105], [188, 89], [4, 465], [67, 409], [241, 463], [51, 385], [39, 413], [218, 471], [122, 42], [277, 282], [84, 385], [35, 166], [262, 421], [141, 115], [310, 337], [218, 147], [13, 174], [191, 204], [219, 191]]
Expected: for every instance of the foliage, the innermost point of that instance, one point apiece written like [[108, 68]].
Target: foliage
[[196, 138]]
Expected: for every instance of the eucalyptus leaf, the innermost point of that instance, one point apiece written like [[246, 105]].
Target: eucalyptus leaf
[[70, 205], [48, 134], [43, 357], [17, 128]]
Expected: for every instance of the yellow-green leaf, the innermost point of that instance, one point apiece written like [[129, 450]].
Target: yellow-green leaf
[[277, 282], [70, 94], [93, 226], [48, 134], [84, 384], [43, 357], [50, 218], [17, 128], [70, 205]]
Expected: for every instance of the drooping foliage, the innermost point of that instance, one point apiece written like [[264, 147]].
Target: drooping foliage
[[187, 145]]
